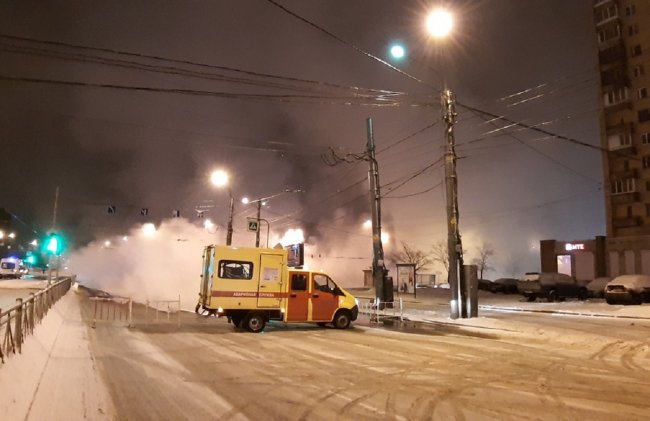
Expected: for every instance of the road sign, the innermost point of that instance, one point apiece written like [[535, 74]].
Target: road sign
[[253, 224]]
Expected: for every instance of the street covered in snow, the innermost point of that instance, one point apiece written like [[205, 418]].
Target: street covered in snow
[[502, 365]]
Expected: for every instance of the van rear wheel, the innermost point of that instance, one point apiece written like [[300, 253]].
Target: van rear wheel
[[342, 319], [254, 322]]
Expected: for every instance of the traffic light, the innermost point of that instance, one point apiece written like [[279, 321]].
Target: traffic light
[[54, 244]]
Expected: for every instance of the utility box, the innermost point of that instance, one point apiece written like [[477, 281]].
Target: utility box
[[470, 291]]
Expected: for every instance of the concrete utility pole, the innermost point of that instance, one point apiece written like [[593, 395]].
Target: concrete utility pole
[[378, 268], [230, 215], [259, 214], [454, 245], [56, 203]]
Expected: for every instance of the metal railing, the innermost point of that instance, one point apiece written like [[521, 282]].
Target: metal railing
[[112, 309], [376, 309], [19, 321], [123, 310], [164, 308]]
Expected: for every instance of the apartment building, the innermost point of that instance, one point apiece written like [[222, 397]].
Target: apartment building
[[623, 33]]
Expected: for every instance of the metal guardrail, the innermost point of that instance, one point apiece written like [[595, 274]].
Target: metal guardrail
[[112, 309], [165, 307], [121, 309], [19, 321], [376, 309]]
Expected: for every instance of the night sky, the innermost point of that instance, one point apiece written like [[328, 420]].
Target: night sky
[[269, 94]]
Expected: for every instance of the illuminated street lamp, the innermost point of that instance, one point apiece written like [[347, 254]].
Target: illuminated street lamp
[[439, 23], [220, 178]]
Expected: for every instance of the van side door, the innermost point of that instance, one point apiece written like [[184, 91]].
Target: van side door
[[324, 300], [269, 292], [298, 302]]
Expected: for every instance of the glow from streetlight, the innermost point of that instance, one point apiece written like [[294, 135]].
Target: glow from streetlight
[[219, 178], [12, 235], [397, 51], [440, 23], [107, 243], [148, 229], [208, 225], [2, 235], [245, 200], [385, 237], [367, 224], [34, 243], [125, 238]]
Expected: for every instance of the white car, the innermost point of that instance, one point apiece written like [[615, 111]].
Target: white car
[[632, 289]]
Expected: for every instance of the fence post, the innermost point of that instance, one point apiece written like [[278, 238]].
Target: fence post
[[130, 312], [31, 322], [19, 324]]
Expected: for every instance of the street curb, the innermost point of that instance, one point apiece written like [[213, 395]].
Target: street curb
[[562, 312]]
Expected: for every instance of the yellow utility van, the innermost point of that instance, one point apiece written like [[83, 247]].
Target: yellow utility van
[[251, 286]]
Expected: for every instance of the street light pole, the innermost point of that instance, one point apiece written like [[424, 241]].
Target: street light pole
[[230, 214]]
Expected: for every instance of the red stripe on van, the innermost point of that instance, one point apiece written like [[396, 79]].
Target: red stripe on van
[[248, 294]]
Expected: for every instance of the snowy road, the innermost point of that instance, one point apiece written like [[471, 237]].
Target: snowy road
[[515, 369]]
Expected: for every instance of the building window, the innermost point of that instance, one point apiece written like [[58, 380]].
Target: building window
[[647, 209], [644, 115], [623, 186], [642, 93], [616, 96], [645, 138], [619, 140], [606, 13], [647, 185], [633, 29], [646, 161], [638, 71], [636, 50], [630, 10]]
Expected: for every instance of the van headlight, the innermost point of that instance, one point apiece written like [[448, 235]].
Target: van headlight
[[356, 301]]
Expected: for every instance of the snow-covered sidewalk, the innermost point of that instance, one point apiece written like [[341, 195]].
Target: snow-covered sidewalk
[[55, 377]]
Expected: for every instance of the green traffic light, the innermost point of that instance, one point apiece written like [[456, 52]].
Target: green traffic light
[[54, 244]]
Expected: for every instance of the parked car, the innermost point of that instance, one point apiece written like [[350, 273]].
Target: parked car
[[596, 288], [628, 289], [505, 285], [485, 284], [550, 285]]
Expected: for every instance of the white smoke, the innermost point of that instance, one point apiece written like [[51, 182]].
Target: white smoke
[[148, 264]]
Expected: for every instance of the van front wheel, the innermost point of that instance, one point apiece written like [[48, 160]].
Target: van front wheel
[[342, 319], [254, 322]]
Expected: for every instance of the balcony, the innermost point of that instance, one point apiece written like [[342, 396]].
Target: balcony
[[623, 175], [629, 222], [616, 54], [625, 198]]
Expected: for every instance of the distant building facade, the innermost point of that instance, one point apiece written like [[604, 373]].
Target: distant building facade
[[585, 260], [623, 36]]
